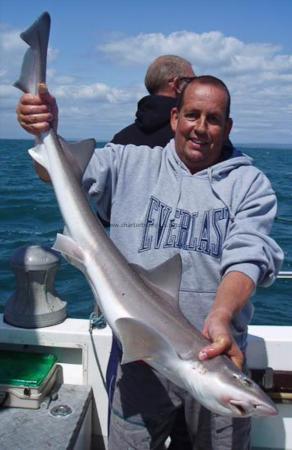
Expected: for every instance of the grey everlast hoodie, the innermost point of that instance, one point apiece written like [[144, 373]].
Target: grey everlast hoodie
[[217, 219]]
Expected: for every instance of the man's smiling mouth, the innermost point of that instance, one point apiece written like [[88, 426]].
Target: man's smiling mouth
[[198, 142]]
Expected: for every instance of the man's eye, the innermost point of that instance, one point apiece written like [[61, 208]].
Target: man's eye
[[214, 120], [191, 116]]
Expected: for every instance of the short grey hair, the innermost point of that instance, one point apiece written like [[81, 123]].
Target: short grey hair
[[163, 69]]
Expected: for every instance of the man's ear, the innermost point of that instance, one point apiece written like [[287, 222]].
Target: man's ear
[[174, 118], [228, 128], [177, 86]]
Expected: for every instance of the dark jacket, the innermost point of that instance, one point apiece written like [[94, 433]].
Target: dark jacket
[[151, 126]]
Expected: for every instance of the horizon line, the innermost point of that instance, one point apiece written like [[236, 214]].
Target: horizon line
[[269, 144]]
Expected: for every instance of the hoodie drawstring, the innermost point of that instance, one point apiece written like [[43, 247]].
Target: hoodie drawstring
[[217, 195]]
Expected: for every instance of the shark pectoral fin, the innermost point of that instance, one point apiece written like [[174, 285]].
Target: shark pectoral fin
[[165, 277], [79, 152], [70, 250], [140, 341], [39, 154]]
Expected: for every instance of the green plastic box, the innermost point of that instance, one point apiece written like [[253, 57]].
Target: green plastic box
[[26, 378]]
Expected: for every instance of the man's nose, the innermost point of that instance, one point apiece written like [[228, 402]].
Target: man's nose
[[200, 125]]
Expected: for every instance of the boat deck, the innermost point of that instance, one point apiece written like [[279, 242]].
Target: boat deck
[[83, 357], [63, 423]]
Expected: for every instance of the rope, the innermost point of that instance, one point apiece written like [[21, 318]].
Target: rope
[[97, 321]]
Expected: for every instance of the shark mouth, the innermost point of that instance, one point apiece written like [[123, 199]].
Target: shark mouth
[[243, 409], [240, 409]]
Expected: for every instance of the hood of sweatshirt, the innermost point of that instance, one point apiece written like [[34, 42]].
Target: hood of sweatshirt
[[154, 112], [233, 158]]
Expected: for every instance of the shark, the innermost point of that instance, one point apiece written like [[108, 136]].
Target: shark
[[140, 306]]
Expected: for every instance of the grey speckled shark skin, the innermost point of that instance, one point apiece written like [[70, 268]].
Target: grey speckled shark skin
[[140, 306]]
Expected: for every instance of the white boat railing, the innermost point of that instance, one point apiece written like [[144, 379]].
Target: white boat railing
[[287, 274]]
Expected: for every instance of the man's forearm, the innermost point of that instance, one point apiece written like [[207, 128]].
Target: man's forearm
[[232, 294]]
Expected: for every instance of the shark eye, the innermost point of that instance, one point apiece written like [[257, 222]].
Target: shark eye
[[246, 381], [243, 380]]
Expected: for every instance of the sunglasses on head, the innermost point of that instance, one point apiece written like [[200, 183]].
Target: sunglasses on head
[[186, 79]]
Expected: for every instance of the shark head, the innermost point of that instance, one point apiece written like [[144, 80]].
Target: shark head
[[243, 397], [227, 391]]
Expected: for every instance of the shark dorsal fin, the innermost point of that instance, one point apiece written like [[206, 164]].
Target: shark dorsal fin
[[141, 342], [166, 277], [80, 152]]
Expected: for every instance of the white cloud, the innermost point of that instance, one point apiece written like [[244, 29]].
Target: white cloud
[[9, 40], [226, 56], [259, 76], [53, 54], [12, 49], [205, 49], [6, 91], [97, 91]]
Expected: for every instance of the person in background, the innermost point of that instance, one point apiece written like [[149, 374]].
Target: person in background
[[165, 78], [216, 210]]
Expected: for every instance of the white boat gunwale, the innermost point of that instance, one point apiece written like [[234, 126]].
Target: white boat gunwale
[[269, 346]]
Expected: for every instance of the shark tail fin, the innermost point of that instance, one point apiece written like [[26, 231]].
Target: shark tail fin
[[34, 63]]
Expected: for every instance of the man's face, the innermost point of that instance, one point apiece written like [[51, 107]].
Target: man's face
[[201, 127]]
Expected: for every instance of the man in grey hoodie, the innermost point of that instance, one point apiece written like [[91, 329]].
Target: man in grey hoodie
[[214, 208], [164, 80]]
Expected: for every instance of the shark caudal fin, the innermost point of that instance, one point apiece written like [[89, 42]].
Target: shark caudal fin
[[34, 63]]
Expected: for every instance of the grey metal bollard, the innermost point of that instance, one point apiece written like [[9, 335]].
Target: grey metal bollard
[[35, 303]]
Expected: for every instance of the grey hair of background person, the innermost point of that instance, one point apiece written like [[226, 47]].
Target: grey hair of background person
[[163, 69]]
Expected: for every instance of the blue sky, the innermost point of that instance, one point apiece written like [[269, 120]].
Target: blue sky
[[99, 52]]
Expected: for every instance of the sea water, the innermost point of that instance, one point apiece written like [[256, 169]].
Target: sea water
[[29, 215]]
